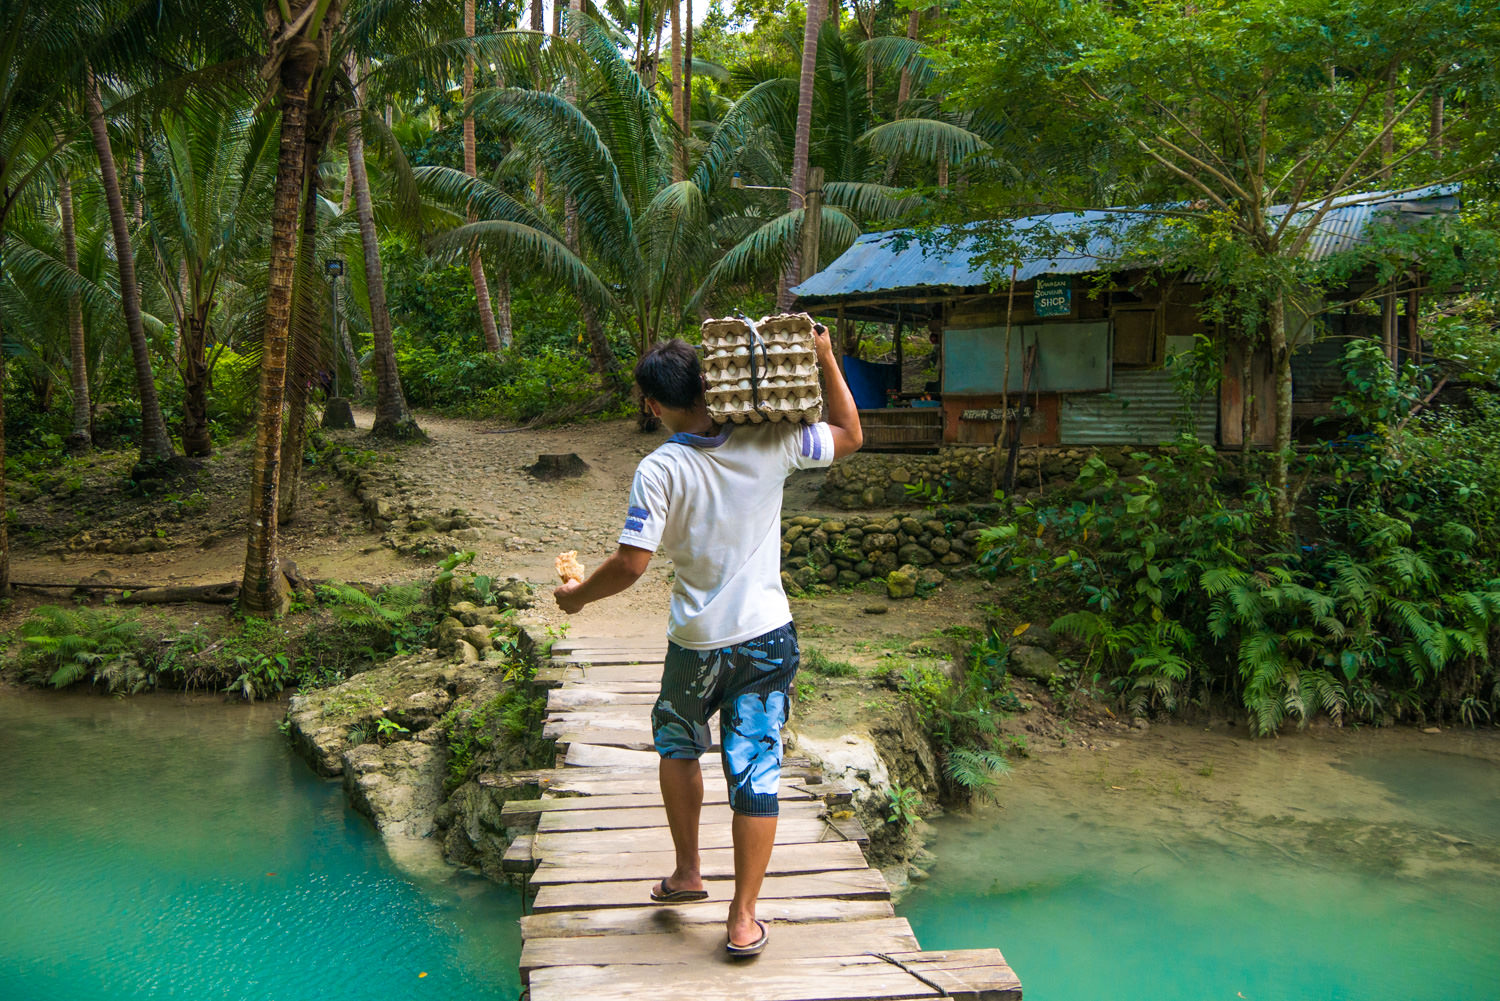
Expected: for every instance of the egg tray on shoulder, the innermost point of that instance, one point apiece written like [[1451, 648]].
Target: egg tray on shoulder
[[782, 382]]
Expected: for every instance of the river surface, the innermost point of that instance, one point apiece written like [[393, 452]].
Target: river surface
[[1191, 866], [167, 846]]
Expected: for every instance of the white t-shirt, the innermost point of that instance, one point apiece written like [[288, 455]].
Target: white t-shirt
[[713, 504]]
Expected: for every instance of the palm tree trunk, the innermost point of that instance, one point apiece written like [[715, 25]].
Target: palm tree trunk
[[4, 507], [195, 437], [675, 13], [903, 93], [1281, 360], [392, 418], [815, 12], [79, 439], [687, 73], [155, 445], [471, 167], [263, 590], [304, 339], [502, 311], [538, 19]]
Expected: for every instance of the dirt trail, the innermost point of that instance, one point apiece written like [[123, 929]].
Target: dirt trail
[[523, 523]]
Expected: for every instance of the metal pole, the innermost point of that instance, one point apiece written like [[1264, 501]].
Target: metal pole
[[338, 345]]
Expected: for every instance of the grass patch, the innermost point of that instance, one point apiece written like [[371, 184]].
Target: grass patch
[[818, 662]]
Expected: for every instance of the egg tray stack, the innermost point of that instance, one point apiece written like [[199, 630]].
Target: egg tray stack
[[780, 382]]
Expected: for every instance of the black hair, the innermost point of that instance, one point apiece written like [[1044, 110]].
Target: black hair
[[670, 374]]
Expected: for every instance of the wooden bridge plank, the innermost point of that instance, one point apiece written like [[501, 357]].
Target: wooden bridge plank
[[656, 816], [703, 945], [598, 867], [885, 977], [656, 918], [839, 884], [788, 832]]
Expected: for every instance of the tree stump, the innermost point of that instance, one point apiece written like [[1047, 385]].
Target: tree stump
[[338, 415], [558, 466]]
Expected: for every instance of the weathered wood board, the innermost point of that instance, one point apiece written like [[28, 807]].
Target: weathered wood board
[[850, 978], [700, 945], [839, 884], [596, 867], [658, 918]]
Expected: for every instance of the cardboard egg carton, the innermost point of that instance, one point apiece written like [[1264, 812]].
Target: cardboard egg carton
[[762, 371]]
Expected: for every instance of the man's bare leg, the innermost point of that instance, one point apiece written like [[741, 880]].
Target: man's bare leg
[[753, 839], [682, 794]]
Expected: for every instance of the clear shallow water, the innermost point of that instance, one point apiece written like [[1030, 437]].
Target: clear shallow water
[[1092, 901], [164, 847]]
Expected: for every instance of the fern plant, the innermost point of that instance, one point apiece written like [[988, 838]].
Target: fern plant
[[66, 646]]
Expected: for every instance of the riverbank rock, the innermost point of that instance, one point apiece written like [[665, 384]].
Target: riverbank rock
[[1033, 662]]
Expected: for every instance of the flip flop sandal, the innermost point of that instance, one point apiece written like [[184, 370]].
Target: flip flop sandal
[[754, 948], [662, 894]]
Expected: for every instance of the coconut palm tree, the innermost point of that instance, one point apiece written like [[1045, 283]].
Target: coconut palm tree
[[802, 141], [155, 444], [81, 437], [207, 185], [297, 29]]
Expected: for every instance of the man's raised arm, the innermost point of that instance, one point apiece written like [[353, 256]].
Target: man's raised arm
[[839, 411]]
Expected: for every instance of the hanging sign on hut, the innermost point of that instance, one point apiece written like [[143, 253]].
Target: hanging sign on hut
[[1053, 296]]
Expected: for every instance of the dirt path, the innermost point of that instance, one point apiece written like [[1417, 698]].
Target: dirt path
[[520, 524]]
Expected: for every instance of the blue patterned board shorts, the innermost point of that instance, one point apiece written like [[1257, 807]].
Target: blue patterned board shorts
[[747, 685]]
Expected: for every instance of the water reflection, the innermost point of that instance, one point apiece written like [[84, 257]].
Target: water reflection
[[1317, 870], [158, 846]]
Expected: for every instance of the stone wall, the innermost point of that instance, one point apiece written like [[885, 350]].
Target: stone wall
[[842, 552], [956, 474]]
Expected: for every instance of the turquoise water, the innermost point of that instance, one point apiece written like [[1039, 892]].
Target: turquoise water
[[167, 847], [1131, 891]]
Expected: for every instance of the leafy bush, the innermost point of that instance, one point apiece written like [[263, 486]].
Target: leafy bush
[[1384, 606], [519, 386], [66, 646]]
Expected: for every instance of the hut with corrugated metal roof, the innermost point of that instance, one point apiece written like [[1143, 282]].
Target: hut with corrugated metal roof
[[1086, 355]]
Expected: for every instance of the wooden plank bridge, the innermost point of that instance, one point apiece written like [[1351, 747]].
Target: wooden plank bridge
[[600, 840]]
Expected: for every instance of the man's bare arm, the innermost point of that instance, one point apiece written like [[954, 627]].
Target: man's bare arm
[[840, 413], [614, 575]]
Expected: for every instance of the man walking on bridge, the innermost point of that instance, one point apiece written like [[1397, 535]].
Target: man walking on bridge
[[710, 497]]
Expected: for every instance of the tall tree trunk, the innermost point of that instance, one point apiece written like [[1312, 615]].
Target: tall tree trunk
[[687, 71], [903, 93], [304, 337], [4, 507], [502, 311], [675, 12], [79, 439], [263, 590], [155, 445], [538, 18], [1388, 123], [471, 167], [392, 418], [1281, 361], [196, 439], [1436, 132], [793, 273]]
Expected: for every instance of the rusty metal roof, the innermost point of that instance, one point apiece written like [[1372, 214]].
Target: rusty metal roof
[[1074, 242]]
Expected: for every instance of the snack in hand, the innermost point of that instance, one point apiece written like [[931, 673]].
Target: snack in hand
[[568, 567]]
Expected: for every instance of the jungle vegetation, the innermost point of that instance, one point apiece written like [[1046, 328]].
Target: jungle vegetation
[[523, 196]]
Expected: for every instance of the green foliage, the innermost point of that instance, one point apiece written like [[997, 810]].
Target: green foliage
[[66, 646], [1390, 600], [975, 771], [395, 619], [904, 805], [818, 662]]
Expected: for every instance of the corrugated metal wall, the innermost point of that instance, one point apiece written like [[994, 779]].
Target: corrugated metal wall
[[1141, 409]]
